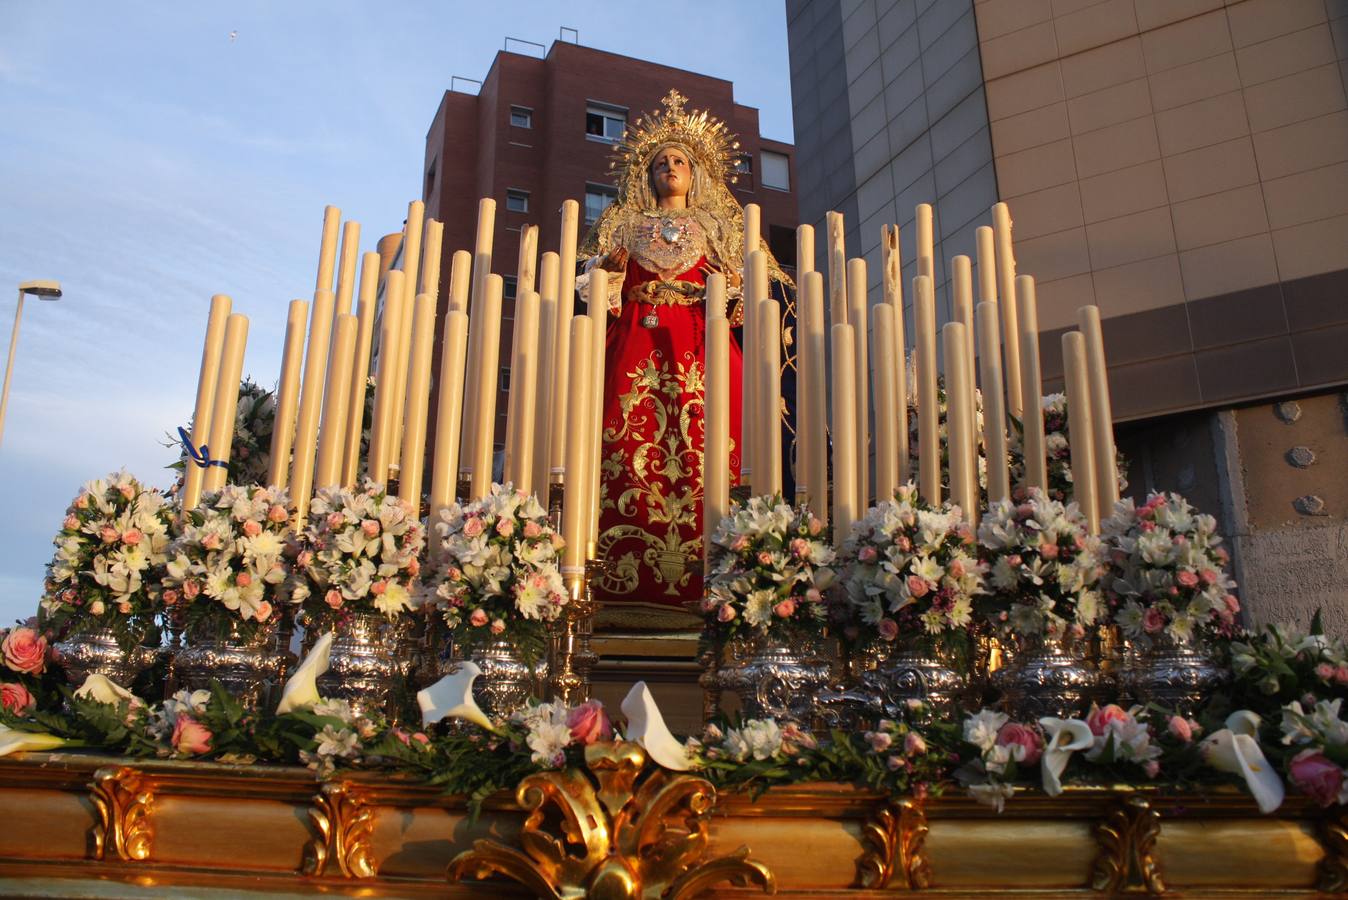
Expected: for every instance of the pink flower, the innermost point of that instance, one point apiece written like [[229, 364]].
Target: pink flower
[[108, 534], [190, 736], [335, 521], [914, 743], [24, 650], [800, 548], [867, 555], [126, 490], [1341, 674], [917, 586], [813, 596], [725, 613], [369, 527], [888, 628], [1232, 604], [740, 544], [1180, 729], [589, 723], [1048, 549], [191, 589], [305, 558], [473, 526], [1316, 776], [1014, 560], [378, 588], [16, 698], [124, 607], [243, 579], [957, 569], [1153, 620], [816, 526], [764, 558], [277, 514], [82, 501], [252, 528], [211, 541], [1325, 672], [505, 527], [1101, 716], [895, 763], [71, 523], [479, 617], [170, 597], [1186, 578], [1152, 768], [497, 626], [1013, 735], [1209, 576], [333, 598], [264, 611], [532, 529], [785, 609], [880, 741]]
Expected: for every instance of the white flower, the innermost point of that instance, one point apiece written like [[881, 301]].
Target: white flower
[[758, 738], [993, 795], [548, 741], [981, 728], [336, 743]]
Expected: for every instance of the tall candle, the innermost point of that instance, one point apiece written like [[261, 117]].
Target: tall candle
[[770, 396], [1009, 307], [857, 318], [837, 269], [804, 251], [753, 228], [360, 368], [1102, 413], [1080, 437], [813, 380], [311, 401], [418, 400], [987, 266], [561, 355], [527, 267], [327, 248], [484, 405], [893, 282], [598, 309], [416, 212], [548, 382], [473, 375], [377, 464], [844, 433], [483, 244], [575, 515], [226, 403], [288, 394], [460, 271], [332, 433], [994, 406], [482, 247], [346, 270], [884, 377], [449, 412], [195, 476], [523, 393], [716, 434], [803, 412], [750, 440], [959, 403], [961, 278], [432, 249], [1032, 390], [926, 247], [928, 412]]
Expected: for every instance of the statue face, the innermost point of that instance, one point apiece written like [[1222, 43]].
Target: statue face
[[671, 173]]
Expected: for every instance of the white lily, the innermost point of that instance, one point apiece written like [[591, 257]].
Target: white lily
[[452, 697], [13, 741], [102, 689], [301, 690], [1065, 737], [1235, 749], [647, 727]]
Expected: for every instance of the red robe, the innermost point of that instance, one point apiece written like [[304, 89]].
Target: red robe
[[650, 523]]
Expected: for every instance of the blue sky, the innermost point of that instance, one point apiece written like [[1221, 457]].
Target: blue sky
[[148, 161]]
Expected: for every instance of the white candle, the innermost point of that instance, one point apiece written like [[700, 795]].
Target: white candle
[[886, 413], [523, 387], [926, 247], [575, 515], [548, 381], [484, 404], [561, 355], [770, 395], [1102, 413], [1032, 391], [288, 394], [327, 248], [460, 271], [527, 266], [753, 228], [716, 419], [857, 318], [987, 266], [893, 281], [962, 292], [346, 271], [1009, 307], [332, 434], [959, 400], [928, 410], [994, 407], [413, 460], [844, 434], [416, 211], [1079, 434], [837, 269], [750, 440], [449, 413], [226, 402], [804, 252], [813, 381], [360, 368], [432, 250], [311, 401], [377, 465], [482, 247], [194, 477]]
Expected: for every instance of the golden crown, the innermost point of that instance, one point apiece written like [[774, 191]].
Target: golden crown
[[705, 136]]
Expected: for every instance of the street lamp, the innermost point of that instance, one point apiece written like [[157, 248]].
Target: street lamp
[[43, 290]]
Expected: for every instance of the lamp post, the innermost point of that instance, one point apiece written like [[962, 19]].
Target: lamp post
[[45, 290]]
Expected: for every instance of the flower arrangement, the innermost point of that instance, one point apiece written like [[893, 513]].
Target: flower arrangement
[[359, 553], [227, 564], [1057, 451], [549, 730], [910, 570], [111, 545], [1168, 574], [1282, 663], [1319, 737], [943, 431], [499, 577], [250, 450], [24, 654], [770, 565], [1044, 568]]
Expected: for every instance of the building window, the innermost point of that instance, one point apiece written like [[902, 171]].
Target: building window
[[605, 123], [776, 171], [503, 381], [517, 200], [744, 165], [521, 117], [509, 286], [598, 197], [430, 179]]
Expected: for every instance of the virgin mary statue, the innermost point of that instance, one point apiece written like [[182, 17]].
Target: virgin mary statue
[[673, 223]]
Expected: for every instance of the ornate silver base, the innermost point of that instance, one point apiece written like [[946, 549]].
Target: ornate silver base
[[506, 683], [904, 673], [777, 681], [249, 668], [1051, 678], [369, 664], [97, 653], [1178, 676]]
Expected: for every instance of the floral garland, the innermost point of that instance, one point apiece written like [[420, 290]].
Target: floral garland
[[358, 553], [769, 569], [910, 570], [499, 577], [250, 449], [110, 548], [226, 564], [1168, 572]]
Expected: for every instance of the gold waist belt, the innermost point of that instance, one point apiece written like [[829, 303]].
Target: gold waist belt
[[668, 293]]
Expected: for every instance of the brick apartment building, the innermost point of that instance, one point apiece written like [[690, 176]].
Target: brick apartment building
[[541, 131]]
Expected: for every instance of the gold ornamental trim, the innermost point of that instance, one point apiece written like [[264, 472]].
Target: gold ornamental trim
[[123, 797], [895, 836], [1127, 839], [343, 824], [620, 829], [1333, 878]]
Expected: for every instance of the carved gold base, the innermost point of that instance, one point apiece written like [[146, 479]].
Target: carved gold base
[[90, 826]]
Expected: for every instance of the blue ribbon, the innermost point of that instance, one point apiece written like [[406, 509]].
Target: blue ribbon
[[202, 456]]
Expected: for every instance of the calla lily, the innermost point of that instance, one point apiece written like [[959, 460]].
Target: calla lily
[[102, 689], [1065, 737], [301, 690], [13, 741], [452, 697], [647, 727], [1235, 749]]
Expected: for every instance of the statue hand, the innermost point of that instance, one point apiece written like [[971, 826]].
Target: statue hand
[[616, 260], [734, 279]]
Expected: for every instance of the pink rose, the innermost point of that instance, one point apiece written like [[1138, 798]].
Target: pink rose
[[725, 613], [740, 544], [888, 628], [252, 528], [335, 521], [414, 567], [1101, 716], [191, 589], [1013, 735], [880, 741], [532, 529], [378, 588], [497, 626], [124, 607], [243, 579], [71, 523], [589, 723], [108, 534], [505, 527], [170, 597], [800, 548], [813, 595], [1325, 672], [263, 611], [1341, 674], [16, 698], [1153, 620], [816, 526], [479, 617], [191, 737], [785, 609], [277, 514], [472, 526], [904, 543], [305, 558], [1180, 729], [126, 490], [1048, 549], [1232, 604], [1186, 578], [1209, 576], [211, 541], [1316, 776], [333, 598], [867, 554], [917, 586], [957, 569], [82, 501], [1151, 768], [764, 558], [24, 650], [1014, 560], [369, 528], [914, 743]]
